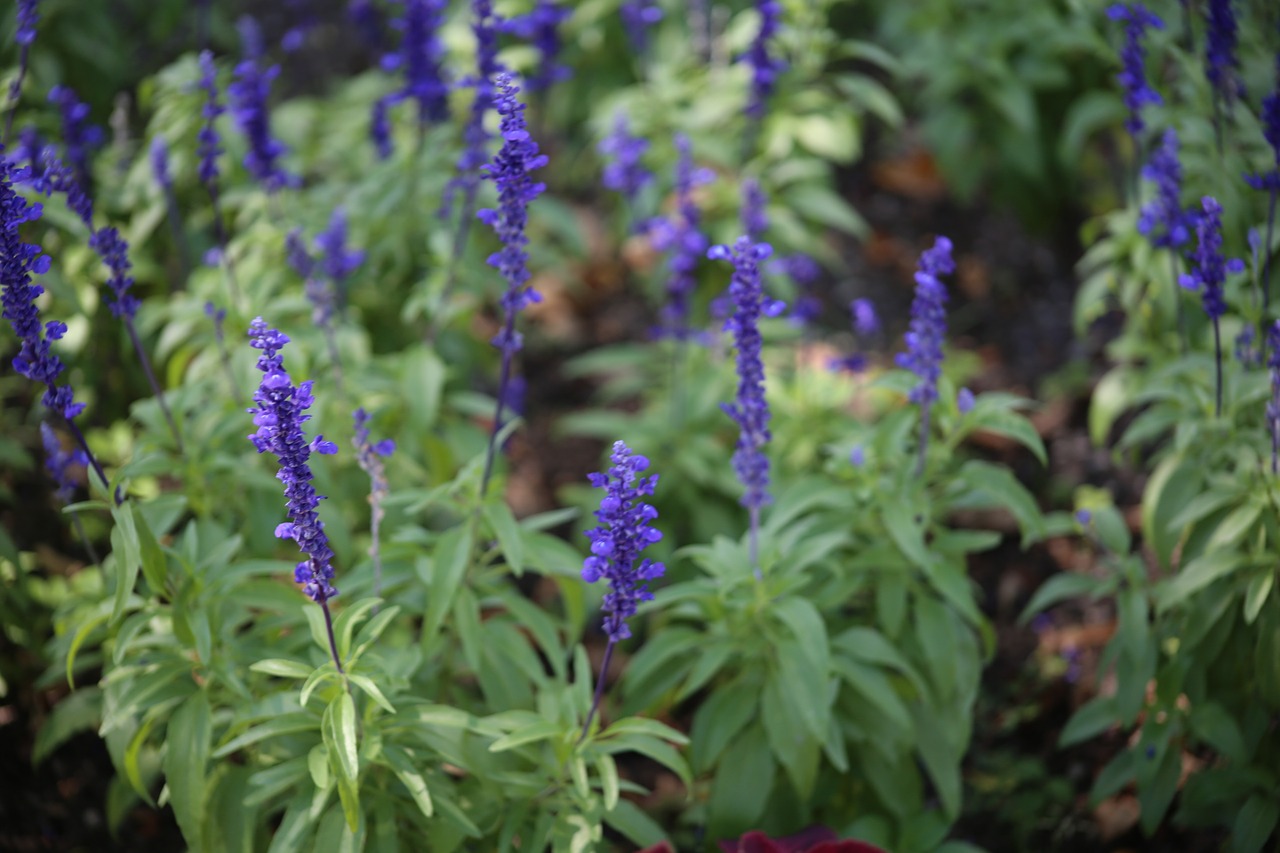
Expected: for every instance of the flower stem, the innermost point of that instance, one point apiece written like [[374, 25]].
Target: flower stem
[[1217, 355], [504, 379], [333, 643], [595, 702], [753, 542], [15, 91], [1177, 302], [93, 460], [155, 386], [1266, 256]]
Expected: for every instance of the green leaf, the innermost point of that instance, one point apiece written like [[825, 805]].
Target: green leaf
[[1233, 528], [1196, 575], [742, 784], [1060, 587], [186, 758], [287, 724], [1213, 724], [1254, 823], [644, 726], [423, 378], [1257, 594], [82, 634], [366, 684], [283, 668], [607, 770], [1001, 488], [155, 565], [806, 624], [319, 766], [133, 755], [345, 624], [505, 528], [1154, 798], [1172, 487], [78, 712], [1093, 717], [449, 565], [719, 719], [339, 731], [1012, 425], [532, 733], [404, 769], [127, 557], [638, 828]]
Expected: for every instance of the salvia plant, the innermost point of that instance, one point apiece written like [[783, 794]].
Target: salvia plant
[[355, 609]]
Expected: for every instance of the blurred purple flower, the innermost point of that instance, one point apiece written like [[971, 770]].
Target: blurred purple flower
[[421, 59], [965, 401], [208, 142], [369, 455], [1163, 220], [926, 333], [624, 170], [78, 136], [637, 17], [765, 67], [248, 95], [542, 27], [1133, 78], [681, 238], [59, 462]]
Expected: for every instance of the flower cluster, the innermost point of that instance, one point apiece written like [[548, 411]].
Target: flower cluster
[[1163, 220], [749, 409], [1271, 132], [1221, 66], [279, 414], [421, 58], [865, 324], [114, 251], [542, 27], [765, 68], [248, 94], [78, 135], [24, 35], [755, 218], [637, 17], [624, 170], [510, 171], [804, 273], [336, 259], [1133, 78], [681, 237], [208, 143], [59, 463], [928, 322], [160, 163], [1210, 269], [475, 138], [623, 532], [19, 261]]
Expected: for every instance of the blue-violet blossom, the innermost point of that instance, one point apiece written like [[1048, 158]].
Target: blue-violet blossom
[[926, 333], [637, 17], [1163, 220], [542, 27], [421, 59], [79, 137], [765, 67], [1133, 76], [681, 237], [624, 169], [248, 93], [279, 416]]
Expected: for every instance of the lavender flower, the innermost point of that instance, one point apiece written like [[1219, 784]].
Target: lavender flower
[[421, 58], [20, 261], [59, 463], [1273, 405], [1209, 274], [303, 18], [865, 324], [367, 19], [1269, 181], [616, 542], [858, 456], [765, 68], [1220, 61], [622, 533], [1163, 219], [475, 138], [380, 128], [28, 150], [336, 260], [637, 17], [755, 218], [114, 251], [160, 164], [78, 135], [542, 27], [804, 273], [1133, 78], [279, 416], [248, 95], [510, 171], [749, 409], [624, 171], [1246, 351], [208, 143], [369, 455], [965, 401], [24, 35], [926, 333], [680, 236]]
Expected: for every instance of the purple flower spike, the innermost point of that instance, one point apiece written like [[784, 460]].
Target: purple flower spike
[[765, 67], [248, 95], [208, 142], [1133, 78], [1273, 405], [336, 259], [1269, 181], [638, 16], [20, 261], [421, 59], [623, 532], [1208, 274], [749, 410], [160, 163], [681, 237], [78, 135], [755, 217], [804, 273], [510, 170], [624, 170], [865, 321], [1163, 220], [926, 333], [24, 35], [475, 138], [542, 27], [279, 416], [59, 462], [1222, 66], [965, 401], [114, 251]]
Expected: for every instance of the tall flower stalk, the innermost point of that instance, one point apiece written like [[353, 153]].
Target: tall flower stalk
[[208, 147], [164, 180], [1138, 92], [624, 169], [369, 454], [1273, 405], [680, 236], [78, 136], [510, 171], [1269, 181], [58, 461], [1222, 66], [622, 533], [749, 409], [765, 66], [925, 335], [24, 34], [1163, 220], [421, 60], [19, 263], [248, 95], [541, 26], [279, 413], [1207, 276]]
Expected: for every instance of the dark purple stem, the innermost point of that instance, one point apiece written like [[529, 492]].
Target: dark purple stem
[[1266, 257], [93, 460], [1217, 354], [155, 386], [595, 702], [1177, 302], [328, 626], [15, 91], [84, 539]]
